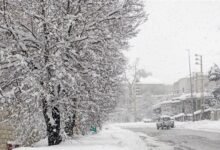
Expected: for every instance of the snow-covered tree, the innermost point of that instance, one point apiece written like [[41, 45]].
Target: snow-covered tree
[[132, 76], [63, 58], [214, 75]]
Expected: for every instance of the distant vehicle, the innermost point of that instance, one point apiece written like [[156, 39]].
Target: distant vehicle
[[165, 122], [147, 120], [172, 122]]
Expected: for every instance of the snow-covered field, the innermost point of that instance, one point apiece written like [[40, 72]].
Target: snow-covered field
[[111, 138]]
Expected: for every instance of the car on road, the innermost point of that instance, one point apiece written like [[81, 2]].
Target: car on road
[[147, 120], [172, 122], [165, 122]]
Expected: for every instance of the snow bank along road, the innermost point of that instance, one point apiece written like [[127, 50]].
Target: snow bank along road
[[178, 139], [110, 138], [144, 136]]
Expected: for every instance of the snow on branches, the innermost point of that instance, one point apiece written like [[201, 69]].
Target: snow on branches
[[214, 73], [62, 61]]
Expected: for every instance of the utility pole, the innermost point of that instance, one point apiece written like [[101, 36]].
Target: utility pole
[[134, 90], [190, 77], [199, 61], [196, 90], [135, 102], [196, 83]]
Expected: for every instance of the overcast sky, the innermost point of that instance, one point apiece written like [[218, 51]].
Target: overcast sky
[[174, 26]]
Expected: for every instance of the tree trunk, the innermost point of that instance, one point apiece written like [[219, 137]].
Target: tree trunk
[[53, 126], [70, 124]]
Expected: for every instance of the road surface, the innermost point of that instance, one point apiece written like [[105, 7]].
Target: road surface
[[178, 139]]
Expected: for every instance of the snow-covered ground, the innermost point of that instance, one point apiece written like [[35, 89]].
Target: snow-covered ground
[[136, 125], [205, 125], [153, 143], [114, 137], [186, 135], [111, 138]]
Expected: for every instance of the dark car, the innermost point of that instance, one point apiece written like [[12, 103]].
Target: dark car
[[164, 122], [172, 123]]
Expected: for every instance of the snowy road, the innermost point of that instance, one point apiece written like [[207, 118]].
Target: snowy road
[[178, 139]]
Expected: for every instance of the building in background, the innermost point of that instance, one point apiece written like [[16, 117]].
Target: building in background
[[148, 91], [183, 105], [152, 86], [183, 85]]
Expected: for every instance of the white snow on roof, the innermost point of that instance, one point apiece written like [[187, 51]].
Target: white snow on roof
[[188, 95], [150, 80], [179, 115], [164, 116], [165, 102], [156, 106], [180, 98]]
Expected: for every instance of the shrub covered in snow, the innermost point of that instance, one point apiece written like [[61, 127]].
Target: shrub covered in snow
[[214, 75]]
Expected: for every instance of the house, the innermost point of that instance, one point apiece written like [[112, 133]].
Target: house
[[153, 86], [183, 104], [174, 107], [183, 85]]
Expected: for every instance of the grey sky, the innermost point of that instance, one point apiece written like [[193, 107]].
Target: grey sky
[[174, 26]]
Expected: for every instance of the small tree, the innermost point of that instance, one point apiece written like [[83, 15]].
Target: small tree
[[132, 77], [214, 73]]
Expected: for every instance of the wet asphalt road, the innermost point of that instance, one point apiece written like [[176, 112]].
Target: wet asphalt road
[[179, 139]]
